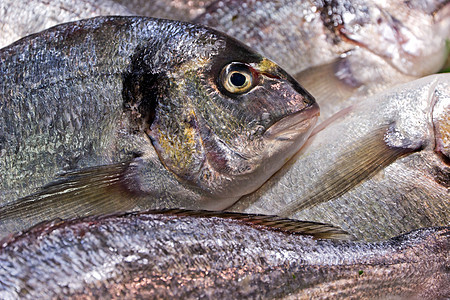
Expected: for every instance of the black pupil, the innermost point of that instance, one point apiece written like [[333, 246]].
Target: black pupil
[[237, 79]]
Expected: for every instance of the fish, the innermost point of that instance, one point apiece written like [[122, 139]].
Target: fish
[[377, 169], [161, 113], [341, 51], [192, 255], [21, 18]]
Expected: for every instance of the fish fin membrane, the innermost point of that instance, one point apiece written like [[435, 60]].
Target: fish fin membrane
[[363, 161], [95, 190], [314, 229], [329, 83]]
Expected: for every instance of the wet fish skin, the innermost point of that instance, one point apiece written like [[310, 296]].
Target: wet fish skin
[[341, 51], [379, 169], [21, 18], [135, 106], [163, 255]]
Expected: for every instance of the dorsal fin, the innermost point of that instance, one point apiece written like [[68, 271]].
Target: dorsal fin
[[331, 83], [288, 226], [291, 226]]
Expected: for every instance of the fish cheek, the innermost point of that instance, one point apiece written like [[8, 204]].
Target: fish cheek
[[155, 107], [178, 143]]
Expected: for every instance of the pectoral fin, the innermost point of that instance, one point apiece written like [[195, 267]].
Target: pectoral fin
[[96, 190], [353, 167]]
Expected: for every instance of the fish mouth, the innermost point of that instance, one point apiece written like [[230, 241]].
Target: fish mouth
[[293, 126]]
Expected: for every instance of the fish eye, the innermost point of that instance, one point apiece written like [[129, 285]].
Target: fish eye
[[237, 78]]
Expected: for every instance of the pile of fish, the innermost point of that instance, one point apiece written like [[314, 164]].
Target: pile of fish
[[111, 111]]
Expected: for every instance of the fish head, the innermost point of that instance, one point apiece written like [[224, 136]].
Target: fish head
[[411, 35], [222, 118]]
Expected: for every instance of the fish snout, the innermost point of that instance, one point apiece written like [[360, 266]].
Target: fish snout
[[300, 112]]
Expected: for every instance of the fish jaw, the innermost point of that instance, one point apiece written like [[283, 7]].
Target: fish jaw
[[280, 142], [295, 127]]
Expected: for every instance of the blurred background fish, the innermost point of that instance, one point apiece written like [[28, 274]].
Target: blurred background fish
[[176, 113], [182, 254], [21, 18], [378, 169]]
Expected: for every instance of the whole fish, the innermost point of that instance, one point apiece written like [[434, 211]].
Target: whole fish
[[341, 51], [21, 18], [188, 255], [169, 114], [379, 169]]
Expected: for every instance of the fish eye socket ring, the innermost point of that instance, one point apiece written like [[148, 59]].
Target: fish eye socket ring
[[237, 78]]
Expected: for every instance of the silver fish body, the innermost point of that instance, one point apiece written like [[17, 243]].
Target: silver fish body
[[142, 107], [165, 255], [377, 170], [21, 18]]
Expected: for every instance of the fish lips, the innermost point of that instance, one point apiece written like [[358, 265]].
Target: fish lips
[[294, 126]]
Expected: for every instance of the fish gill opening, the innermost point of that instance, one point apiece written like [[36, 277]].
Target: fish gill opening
[[140, 98]]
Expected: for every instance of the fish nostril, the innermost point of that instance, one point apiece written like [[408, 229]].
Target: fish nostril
[[308, 99]]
